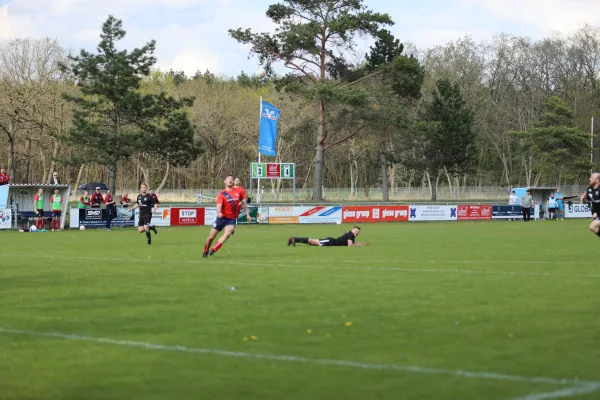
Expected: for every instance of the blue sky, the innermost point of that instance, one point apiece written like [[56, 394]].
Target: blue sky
[[192, 34]]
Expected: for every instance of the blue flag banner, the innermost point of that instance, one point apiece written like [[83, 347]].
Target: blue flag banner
[[269, 115]]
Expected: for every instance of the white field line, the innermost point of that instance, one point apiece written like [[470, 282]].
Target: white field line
[[306, 360], [297, 265], [562, 393]]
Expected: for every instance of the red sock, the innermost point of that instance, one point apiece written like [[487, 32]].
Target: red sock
[[52, 224], [205, 248], [217, 247]]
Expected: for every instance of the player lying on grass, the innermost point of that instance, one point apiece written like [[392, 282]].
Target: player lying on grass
[[347, 239]]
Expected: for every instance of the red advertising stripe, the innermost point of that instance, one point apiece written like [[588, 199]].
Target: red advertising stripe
[[355, 214], [311, 211], [474, 212], [273, 170], [182, 216]]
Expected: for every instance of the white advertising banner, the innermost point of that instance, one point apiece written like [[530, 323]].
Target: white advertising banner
[[5, 218], [577, 211], [320, 215], [284, 214], [162, 217], [432, 213], [210, 215]]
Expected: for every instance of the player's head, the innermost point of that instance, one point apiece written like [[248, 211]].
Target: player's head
[[143, 188], [125, 194], [86, 194], [2, 171], [40, 190], [98, 189], [228, 181], [356, 231], [151, 191], [237, 182], [557, 190], [56, 191], [108, 191]]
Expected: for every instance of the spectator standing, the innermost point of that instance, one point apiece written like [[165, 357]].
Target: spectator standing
[[111, 209], [154, 196], [55, 180], [4, 177], [551, 206], [526, 204], [125, 200], [38, 200], [513, 200], [56, 209], [97, 199], [85, 201], [559, 205]]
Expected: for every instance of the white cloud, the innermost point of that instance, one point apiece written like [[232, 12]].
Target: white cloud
[[543, 16], [190, 60]]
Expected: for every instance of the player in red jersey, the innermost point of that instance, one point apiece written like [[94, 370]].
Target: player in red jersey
[[229, 203]]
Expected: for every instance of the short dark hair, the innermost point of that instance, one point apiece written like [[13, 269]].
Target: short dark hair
[[356, 227]]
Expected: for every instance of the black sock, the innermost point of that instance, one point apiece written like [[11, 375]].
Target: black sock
[[148, 235], [302, 240]]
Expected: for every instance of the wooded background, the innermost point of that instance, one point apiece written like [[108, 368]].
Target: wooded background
[[505, 82]]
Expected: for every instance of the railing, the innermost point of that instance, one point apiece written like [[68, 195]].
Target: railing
[[414, 194]]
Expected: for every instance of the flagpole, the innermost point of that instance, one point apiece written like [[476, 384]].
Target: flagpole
[[259, 121]]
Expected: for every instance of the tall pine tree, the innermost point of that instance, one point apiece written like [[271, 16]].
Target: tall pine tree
[[443, 138], [113, 121]]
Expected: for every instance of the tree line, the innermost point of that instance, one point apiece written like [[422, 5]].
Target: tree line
[[512, 111]]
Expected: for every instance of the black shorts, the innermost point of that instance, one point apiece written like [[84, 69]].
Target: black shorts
[[56, 213], [40, 213], [551, 209], [145, 219], [221, 223], [328, 242]]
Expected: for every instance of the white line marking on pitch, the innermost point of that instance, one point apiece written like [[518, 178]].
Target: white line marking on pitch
[[306, 360], [296, 265], [567, 392]]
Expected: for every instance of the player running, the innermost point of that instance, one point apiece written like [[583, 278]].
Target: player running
[[347, 239], [147, 205], [592, 195], [229, 203]]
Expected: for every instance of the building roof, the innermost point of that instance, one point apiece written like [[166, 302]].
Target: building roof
[[38, 185]]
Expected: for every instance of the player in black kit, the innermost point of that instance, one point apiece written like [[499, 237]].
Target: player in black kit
[[347, 239], [147, 205], [592, 197]]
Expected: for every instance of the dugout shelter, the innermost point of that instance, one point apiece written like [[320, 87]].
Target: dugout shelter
[[540, 196], [19, 199]]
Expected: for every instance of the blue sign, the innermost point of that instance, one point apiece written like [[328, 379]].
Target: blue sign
[[507, 212], [269, 115], [3, 196]]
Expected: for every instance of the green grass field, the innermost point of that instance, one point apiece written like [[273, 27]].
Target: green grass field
[[480, 310]]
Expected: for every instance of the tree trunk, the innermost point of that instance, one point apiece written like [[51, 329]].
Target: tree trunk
[[434, 186], [164, 180], [320, 158], [28, 164], [13, 165], [81, 167], [52, 162], [112, 176], [384, 175]]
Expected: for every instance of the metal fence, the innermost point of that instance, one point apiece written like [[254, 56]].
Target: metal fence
[[408, 194]]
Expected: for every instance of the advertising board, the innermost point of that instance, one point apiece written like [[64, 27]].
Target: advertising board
[[432, 213], [355, 214], [474, 212]]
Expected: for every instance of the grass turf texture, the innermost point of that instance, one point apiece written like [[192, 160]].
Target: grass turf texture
[[502, 297]]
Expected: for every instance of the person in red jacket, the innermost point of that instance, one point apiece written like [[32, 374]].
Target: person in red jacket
[[97, 198], [4, 177], [111, 208], [125, 200], [154, 196]]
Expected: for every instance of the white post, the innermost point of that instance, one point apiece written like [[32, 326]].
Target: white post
[[592, 144], [258, 192]]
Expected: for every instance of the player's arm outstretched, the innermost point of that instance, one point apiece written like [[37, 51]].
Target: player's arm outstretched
[[136, 205], [351, 243]]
